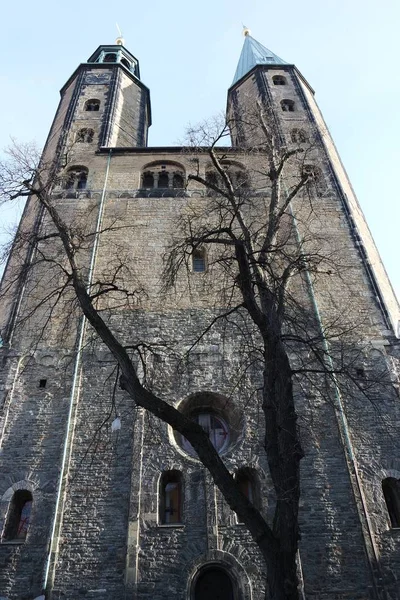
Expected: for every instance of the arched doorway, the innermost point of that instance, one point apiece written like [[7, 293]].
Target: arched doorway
[[214, 583]]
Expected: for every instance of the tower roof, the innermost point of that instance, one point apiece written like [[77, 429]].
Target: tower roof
[[254, 53]]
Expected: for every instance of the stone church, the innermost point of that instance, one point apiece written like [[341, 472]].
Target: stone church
[[99, 499]]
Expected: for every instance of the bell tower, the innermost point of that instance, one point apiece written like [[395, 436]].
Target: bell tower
[[264, 79], [104, 102]]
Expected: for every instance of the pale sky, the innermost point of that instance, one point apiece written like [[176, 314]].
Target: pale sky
[[348, 50]]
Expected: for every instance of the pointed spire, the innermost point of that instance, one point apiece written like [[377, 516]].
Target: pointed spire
[[254, 53]]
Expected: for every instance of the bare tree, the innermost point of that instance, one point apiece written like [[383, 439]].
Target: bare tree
[[252, 230]]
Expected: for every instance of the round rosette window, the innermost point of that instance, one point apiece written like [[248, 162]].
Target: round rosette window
[[217, 416]]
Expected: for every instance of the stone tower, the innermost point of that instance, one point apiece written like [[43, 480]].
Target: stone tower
[[99, 499]]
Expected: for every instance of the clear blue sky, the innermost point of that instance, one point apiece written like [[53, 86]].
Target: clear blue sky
[[347, 49]]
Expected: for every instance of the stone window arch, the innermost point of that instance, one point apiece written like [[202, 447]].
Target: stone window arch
[[177, 181], [163, 179], [85, 135], [315, 181], [76, 178], [92, 105], [238, 175], [170, 498], [279, 80], [148, 180], [163, 175], [287, 105], [18, 516], [298, 136], [391, 493]]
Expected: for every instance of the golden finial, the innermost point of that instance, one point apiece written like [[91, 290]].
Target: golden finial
[[246, 31], [120, 40]]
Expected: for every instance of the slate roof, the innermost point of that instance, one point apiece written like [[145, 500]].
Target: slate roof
[[254, 53]]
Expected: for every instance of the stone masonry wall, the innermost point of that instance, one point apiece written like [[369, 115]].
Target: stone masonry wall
[[109, 540]]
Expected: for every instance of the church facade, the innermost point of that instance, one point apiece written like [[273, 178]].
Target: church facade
[[99, 499]]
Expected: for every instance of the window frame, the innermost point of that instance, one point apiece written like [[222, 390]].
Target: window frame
[[208, 415], [391, 494], [279, 80], [198, 257], [291, 105], [92, 102], [167, 478], [75, 177], [250, 476], [15, 518], [167, 171]]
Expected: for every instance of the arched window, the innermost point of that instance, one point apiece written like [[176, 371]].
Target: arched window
[[241, 179], [163, 176], [148, 180], [198, 260], [238, 175], [18, 516], [85, 135], [92, 105], [163, 180], [213, 582], [76, 178], [171, 498], [247, 481], [279, 80], [125, 63], [111, 57], [287, 105], [211, 178], [391, 492], [313, 173], [177, 180], [298, 136]]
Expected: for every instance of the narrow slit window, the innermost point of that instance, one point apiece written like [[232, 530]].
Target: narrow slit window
[[18, 516], [171, 498], [247, 481], [198, 261], [391, 492]]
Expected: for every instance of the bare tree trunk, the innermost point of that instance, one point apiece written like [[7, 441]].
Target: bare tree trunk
[[282, 577], [284, 453]]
